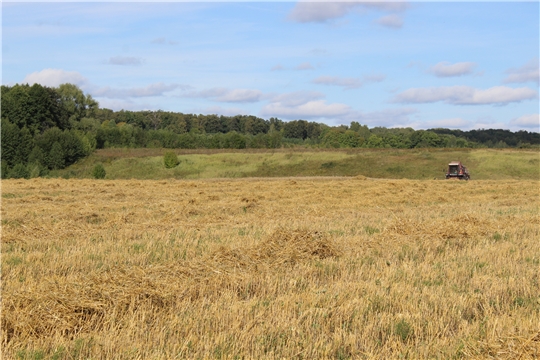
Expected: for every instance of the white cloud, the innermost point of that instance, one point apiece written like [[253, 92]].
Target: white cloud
[[453, 123], [321, 12], [348, 83], [156, 89], [446, 69], [465, 95], [525, 73], [527, 121], [54, 78], [387, 117], [162, 41], [297, 98], [304, 105], [392, 21], [228, 95], [304, 66], [308, 110], [124, 60], [241, 95]]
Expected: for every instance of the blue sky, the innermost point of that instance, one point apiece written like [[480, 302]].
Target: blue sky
[[422, 64]]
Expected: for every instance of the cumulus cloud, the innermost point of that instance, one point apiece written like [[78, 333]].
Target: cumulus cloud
[[321, 12], [386, 117], [525, 73], [304, 105], [465, 95], [54, 78], [297, 98], [304, 66], [124, 60], [228, 95], [308, 110], [392, 21], [453, 123], [156, 89], [348, 83], [527, 121], [446, 69]]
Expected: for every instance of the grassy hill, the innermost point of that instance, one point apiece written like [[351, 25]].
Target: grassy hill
[[483, 164]]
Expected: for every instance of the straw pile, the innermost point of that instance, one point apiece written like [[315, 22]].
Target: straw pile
[[88, 304]]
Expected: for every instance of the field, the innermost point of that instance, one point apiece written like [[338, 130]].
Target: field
[[303, 268], [420, 164]]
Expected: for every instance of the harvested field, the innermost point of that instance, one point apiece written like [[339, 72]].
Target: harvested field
[[270, 268]]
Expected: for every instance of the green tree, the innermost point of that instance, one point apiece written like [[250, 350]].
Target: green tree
[[10, 143], [72, 147], [170, 160], [56, 157], [76, 103], [4, 170], [349, 139], [36, 156], [26, 144], [19, 171], [375, 141]]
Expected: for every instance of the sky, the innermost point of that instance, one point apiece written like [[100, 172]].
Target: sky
[[457, 65]]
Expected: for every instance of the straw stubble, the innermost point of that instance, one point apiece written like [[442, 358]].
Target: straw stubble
[[278, 268]]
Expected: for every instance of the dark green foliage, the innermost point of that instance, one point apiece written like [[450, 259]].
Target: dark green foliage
[[19, 171], [36, 107], [98, 172], [75, 103], [10, 143], [494, 136], [4, 171], [72, 147], [37, 156], [170, 159], [26, 144], [36, 169], [55, 159]]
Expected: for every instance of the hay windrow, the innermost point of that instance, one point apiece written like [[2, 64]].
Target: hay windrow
[[85, 304]]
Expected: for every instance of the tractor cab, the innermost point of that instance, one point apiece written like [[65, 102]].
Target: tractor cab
[[456, 170]]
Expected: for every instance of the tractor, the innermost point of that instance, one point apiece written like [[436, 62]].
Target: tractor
[[456, 170]]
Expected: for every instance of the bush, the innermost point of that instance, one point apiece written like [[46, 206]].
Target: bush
[[170, 160], [19, 171], [35, 169], [99, 172]]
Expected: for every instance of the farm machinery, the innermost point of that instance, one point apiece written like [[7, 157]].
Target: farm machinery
[[456, 170]]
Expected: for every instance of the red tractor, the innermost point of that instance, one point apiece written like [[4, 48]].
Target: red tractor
[[456, 170]]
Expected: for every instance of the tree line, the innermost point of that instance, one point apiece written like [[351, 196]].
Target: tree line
[[45, 128]]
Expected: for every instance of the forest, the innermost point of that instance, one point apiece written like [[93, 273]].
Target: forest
[[45, 128]]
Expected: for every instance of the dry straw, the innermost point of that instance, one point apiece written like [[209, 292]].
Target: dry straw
[[304, 268]]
